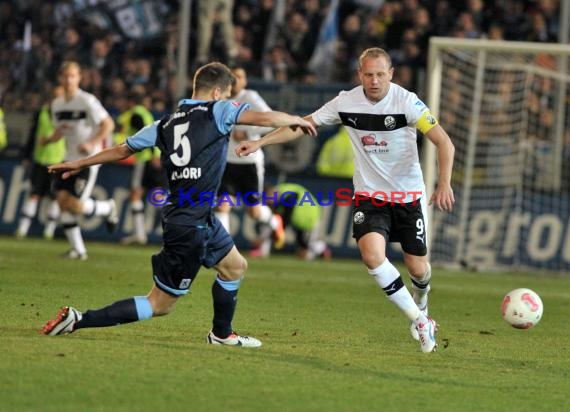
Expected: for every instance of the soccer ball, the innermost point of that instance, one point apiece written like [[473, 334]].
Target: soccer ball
[[522, 308]]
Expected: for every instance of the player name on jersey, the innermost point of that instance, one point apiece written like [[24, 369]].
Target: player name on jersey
[[187, 173]]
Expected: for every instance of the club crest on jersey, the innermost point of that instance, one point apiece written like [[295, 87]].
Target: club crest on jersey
[[389, 122], [358, 218], [236, 103]]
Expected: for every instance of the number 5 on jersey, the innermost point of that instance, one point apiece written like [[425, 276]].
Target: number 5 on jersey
[[181, 140]]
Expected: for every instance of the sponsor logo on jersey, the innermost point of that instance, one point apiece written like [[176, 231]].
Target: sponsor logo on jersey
[[373, 144], [172, 117], [200, 108], [70, 115], [236, 103], [368, 140]]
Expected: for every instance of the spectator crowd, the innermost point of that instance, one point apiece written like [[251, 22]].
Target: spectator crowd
[[273, 40]]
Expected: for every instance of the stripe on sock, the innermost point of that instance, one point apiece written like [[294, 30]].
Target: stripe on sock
[[144, 309], [395, 286], [229, 285], [419, 285]]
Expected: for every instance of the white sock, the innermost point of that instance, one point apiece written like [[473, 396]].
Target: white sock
[[23, 226], [265, 247], [389, 279], [73, 232], [421, 288], [53, 210], [96, 207], [29, 210], [49, 228], [137, 209], [265, 215], [77, 240], [224, 218], [273, 222], [316, 248], [52, 215], [137, 206]]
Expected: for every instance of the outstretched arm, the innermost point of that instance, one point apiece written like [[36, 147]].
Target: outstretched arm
[[277, 119], [443, 196], [281, 135], [109, 155]]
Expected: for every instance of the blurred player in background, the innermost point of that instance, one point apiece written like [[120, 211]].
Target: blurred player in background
[[301, 212], [147, 172], [84, 124], [245, 175], [382, 120], [40, 156], [193, 142], [3, 132]]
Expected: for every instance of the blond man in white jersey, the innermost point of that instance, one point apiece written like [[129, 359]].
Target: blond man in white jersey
[[390, 197], [82, 121]]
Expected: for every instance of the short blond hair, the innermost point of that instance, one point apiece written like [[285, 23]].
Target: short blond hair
[[373, 53], [68, 64]]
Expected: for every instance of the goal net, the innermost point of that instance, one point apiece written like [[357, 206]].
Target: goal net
[[505, 106]]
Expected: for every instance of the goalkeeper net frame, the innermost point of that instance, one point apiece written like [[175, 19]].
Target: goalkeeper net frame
[[506, 107]]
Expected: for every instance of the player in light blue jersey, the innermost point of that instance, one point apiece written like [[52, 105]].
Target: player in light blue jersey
[[193, 142]]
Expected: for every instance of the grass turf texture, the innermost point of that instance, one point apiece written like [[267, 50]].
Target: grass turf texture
[[331, 340]]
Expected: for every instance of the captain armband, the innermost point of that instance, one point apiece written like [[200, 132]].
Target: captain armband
[[426, 122]]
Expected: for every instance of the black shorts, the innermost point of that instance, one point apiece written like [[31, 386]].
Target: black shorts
[[397, 223], [41, 180], [303, 238], [76, 185], [153, 178], [244, 179], [145, 176], [184, 250]]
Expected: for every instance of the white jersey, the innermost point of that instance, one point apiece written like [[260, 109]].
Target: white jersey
[[257, 104], [80, 116], [383, 137]]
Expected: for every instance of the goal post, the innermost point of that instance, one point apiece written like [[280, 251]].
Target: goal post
[[506, 107]]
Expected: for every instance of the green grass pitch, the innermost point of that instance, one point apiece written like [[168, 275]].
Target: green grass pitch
[[331, 340]]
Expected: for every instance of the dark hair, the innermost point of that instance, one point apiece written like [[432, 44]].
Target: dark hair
[[136, 96], [213, 75]]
